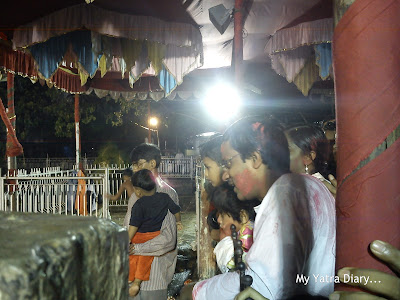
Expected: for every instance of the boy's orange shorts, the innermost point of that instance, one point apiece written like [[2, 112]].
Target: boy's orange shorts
[[140, 266]]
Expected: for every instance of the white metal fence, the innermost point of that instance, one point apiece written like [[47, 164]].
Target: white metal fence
[[57, 191], [63, 163], [68, 195], [170, 166]]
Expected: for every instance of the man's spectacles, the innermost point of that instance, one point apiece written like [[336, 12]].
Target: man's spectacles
[[227, 164]]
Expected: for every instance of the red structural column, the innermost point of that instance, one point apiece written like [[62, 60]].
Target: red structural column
[[366, 56], [10, 137], [77, 134], [12, 161], [238, 42]]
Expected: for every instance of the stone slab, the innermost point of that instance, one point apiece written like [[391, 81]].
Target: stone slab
[[62, 257]]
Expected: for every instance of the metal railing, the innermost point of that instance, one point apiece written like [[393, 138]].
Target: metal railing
[[53, 190], [67, 195], [49, 171], [63, 163], [178, 167], [170, 167]]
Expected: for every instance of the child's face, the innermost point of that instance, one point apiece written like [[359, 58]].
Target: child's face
[[138, 192], [143, 164], [212, 171], [225, 221]]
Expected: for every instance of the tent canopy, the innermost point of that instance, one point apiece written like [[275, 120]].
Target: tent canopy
[[263, 20]]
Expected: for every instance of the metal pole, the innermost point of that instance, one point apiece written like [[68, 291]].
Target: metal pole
[[191, 167], [148, 119], [77, 134], [2, 202], [158, 139]]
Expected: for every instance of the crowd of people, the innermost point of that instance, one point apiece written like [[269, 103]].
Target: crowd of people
[[277, 187]]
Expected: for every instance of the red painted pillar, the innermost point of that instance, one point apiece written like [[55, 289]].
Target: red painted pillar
[[238, 42], [12, 160], [366, 56]]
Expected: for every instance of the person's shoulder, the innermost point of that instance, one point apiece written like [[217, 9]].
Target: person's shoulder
[[164, 187], [293, 178], [300, 183], [161, 195], [291, 183], [288, 179], [127, 183], [140, 200]]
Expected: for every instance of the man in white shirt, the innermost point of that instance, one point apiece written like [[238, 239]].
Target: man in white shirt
[[295, 227], [163, 246]]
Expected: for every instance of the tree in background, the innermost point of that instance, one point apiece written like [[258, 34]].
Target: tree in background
[[110, 154], [46, 125]]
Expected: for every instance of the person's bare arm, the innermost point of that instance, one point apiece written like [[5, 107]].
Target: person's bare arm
[[186, 291], [162, 243], [132, 231], [179, 225], [250, 293], [332, 185], [121, 189]]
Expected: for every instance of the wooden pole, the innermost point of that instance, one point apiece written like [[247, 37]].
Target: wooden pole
[[206, 265]]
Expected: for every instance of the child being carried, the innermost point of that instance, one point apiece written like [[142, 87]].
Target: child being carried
[[147, 216], [230, 211]]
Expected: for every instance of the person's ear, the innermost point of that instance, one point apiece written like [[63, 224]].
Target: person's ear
[[153, 163], [256, 159], [244, 217], [313, 155], [139, 192], [308, 158]]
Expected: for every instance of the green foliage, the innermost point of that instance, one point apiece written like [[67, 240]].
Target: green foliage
[[110, 154], [124, 107], [46, 123], [49, 113]]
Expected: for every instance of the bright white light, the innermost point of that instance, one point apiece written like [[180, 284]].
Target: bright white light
[[206, 134], [153, 121], [222, 101]]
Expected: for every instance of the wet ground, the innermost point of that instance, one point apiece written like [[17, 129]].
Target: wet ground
[[186, 264]]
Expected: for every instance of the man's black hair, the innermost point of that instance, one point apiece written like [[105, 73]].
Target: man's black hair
[[225, 201], [252, 134], [147, 152], [127, 172], [311, 138], [144, 179], [212, 148]]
